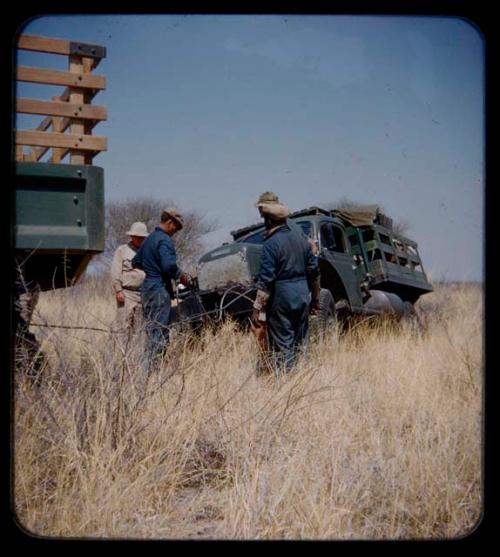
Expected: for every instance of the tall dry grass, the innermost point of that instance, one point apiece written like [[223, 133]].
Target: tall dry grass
[[377, 435]]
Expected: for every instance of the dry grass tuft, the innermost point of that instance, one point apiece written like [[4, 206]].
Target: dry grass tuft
[[377, 435]]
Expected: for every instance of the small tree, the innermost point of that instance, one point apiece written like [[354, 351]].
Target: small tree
[[121, 214]]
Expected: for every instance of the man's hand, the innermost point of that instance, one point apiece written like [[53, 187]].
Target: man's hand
[[185, 279], [120, 298], [314, 308], [254, 318]]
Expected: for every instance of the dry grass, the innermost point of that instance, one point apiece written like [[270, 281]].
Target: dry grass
[[376, 436]]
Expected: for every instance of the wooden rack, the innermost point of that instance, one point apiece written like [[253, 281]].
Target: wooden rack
[[69, 117]]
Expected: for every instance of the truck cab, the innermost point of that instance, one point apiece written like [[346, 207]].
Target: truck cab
[[366, 267]]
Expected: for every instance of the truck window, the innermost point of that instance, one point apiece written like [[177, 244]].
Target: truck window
[[306, 227], [332, 237]]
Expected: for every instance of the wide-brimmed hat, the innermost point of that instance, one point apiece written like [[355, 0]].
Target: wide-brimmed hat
[[138, 229], [172, 213], [273, 210], [266, 198]]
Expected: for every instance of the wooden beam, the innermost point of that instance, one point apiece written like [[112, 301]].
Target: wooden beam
[[76, 97], [64, 96], [57, 77], [43, 44], [58, 124], [87, 128], [61, 125], [60, 46], [54, 108], [58, 154], [45, 124], [70, 109], [81, 267], [57, 127], [66, 140], [36, 154]]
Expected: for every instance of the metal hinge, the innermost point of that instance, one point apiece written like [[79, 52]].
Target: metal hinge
[[85, 49]]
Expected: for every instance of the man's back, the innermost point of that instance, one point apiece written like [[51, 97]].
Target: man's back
[[285, 256], [157, 257]]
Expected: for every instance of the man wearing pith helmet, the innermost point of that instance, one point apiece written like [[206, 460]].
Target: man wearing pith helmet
[[287, 284], [127, 281], [158, 259]]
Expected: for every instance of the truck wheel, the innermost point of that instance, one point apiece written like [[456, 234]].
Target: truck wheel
[[327, 315]]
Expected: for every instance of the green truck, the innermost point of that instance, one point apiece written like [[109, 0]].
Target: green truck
[[58, 192], [367, 268]]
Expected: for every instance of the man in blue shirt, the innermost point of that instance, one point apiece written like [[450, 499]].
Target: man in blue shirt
[[157, 258], [288, 283]]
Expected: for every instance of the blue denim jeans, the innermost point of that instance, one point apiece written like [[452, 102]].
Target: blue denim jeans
[[156, 307]]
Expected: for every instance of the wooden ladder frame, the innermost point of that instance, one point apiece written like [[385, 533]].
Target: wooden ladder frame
[[70, 117]]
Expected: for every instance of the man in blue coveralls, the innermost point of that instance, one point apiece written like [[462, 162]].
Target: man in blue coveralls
[[288, 283], [157, 258]]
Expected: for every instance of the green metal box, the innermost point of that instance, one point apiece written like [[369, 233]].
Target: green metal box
[[59, 220]]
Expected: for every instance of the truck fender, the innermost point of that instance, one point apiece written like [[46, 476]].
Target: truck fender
[[332, 281]]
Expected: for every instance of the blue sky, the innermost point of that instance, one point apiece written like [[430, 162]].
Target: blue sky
[[210, 111]]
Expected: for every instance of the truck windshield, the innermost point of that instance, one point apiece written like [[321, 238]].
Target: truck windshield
[[258, 237], [255, 238]]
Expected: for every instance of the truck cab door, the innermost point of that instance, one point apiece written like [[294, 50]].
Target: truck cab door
[[334, 248]]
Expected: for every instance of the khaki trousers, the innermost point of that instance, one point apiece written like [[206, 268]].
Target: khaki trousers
[[129, 314]]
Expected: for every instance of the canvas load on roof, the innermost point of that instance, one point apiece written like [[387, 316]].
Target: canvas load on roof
[[361, 215]]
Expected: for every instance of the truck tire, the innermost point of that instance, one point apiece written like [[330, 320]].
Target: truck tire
[[326, 317]]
